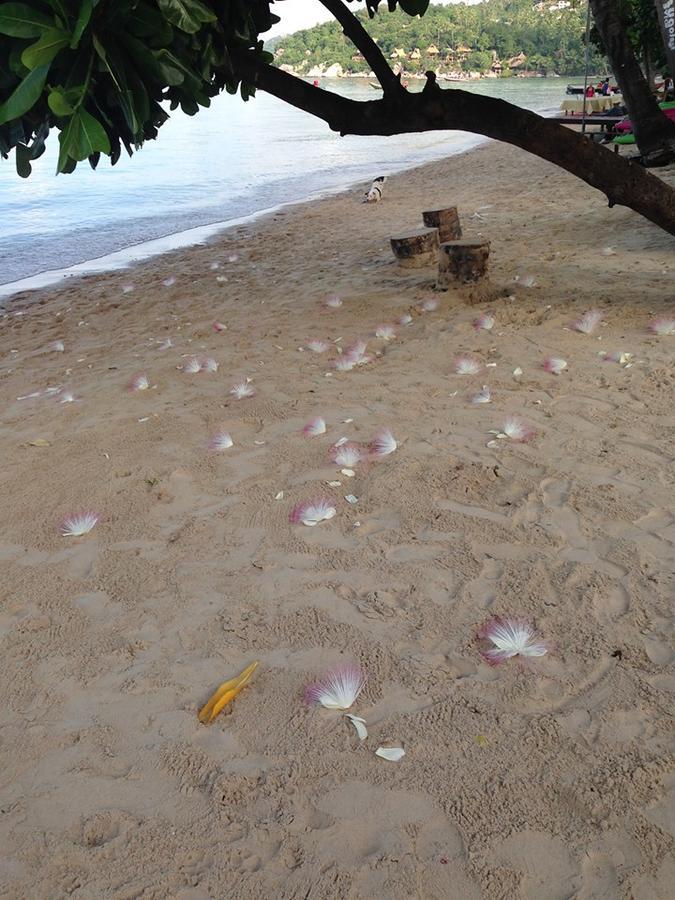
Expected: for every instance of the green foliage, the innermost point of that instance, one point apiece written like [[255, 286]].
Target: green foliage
[[554, 38], [642, 26], [102, 72]]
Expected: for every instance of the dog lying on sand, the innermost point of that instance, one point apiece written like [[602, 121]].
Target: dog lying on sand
[[374, 195]]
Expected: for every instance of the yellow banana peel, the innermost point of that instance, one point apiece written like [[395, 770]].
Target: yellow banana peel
[[227, 691]]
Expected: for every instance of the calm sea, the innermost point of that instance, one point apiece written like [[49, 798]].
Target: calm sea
[[230, 161]]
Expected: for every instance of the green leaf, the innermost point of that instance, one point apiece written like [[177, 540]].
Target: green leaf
[[59, 105], [21, 20], [188, 15], [82, 136], [82, 21], [25, 96], [42, 52], [23, 157]]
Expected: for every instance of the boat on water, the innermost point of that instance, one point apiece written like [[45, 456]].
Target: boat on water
[[573, 89]]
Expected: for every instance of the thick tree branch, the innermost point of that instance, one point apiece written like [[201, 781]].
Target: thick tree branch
[[624, 183], [358, 35]]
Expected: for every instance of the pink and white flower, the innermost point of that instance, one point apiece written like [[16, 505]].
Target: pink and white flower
[[517, 430], [383, 443], [221, 440], [588, 322], [338, 688], [663, 325], [332, 301], [67, 397], [347, 455], [311, 512], [209, 365], [169, 282], [405, 319], [77, 524], [503, 638], [316, 345], [218, 327], [242, 390], [315, 427], [484, 322], [385, 332], [344, 363], [556, 365], [467, 365], [429, 305], [192, 366], [139, 382], [165, 344], [57, 346]]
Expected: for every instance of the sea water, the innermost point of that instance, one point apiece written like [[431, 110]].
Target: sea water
[[229, 162]]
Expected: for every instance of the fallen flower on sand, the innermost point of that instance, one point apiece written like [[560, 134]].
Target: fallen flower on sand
[[77, 524], [429, 305], [218, 327], [383, 443], [527, 281], [556, 365], [242, 389], [227, 691], [504, 638], [516, 429], [139, 383], [392, 754], [665, 325], [385, 332], [617, 356], [359, 724], [332, 301], [588, 322], [169, 282], [192, 366], [221, 440], [517, 372], [67, 397], [483, 396], [316, 345], [311, 512], [466, 365], [405, 319], [57, 346], [484, 322], [314, 427], [339, 688], [209, 365], [347, 455], [165, 344]]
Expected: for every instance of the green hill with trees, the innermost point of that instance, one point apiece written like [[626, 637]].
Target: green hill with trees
[[499, 37]]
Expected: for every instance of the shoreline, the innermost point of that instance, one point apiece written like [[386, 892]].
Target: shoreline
[[542, 777], [128, 257]]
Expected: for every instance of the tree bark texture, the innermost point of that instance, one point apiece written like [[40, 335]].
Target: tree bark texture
[[461, 262], [416, 249], [654, 132], [447, 222]]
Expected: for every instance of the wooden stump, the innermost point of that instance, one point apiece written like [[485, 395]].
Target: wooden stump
[[417, 248], [447, 222], [461, 262]]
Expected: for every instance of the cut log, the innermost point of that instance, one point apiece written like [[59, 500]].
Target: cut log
[[417, 248], [447, 222], [461, 262]]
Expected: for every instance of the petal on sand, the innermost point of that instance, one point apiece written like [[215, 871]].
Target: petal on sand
[[227, 691]]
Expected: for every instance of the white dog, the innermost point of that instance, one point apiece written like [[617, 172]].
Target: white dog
[[374, 195]]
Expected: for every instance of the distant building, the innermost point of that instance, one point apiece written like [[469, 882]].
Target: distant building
[[433, 50], [416, 54], [516, 62], [397, 53]]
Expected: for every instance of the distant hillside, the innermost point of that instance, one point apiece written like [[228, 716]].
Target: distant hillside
[[496, 37]]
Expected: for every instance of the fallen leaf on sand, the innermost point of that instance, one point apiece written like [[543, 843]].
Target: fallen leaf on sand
[[40, 442], [227, 691], [393, 754]]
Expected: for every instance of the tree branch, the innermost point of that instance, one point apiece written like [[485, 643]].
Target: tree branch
[[358, 35], [624, 183]]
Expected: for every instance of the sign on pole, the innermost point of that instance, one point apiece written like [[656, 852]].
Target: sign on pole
[[666, 12]]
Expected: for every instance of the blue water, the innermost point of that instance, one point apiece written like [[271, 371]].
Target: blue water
[[231, 160]]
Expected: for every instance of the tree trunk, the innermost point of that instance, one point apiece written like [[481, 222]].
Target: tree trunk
[[462, 261], [417, 248], [654, 132], [433, 109]]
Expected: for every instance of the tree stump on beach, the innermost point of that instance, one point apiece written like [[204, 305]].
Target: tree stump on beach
[[417, 248], [447, 222], [462, 262]]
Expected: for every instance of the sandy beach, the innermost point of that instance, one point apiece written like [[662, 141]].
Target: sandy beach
[[537, 780]]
